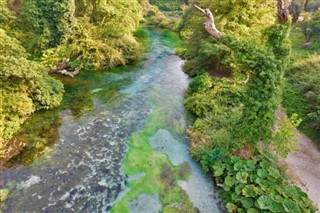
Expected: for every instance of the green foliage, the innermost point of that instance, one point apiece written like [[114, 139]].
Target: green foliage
[[217, 102], [303, 96], [310, 25], [169, 5], [233, 120], [241, 19], [102, 38], [283, 138], [264, 65], [7, 17], [25, 87], [50, 21], [254, 185]]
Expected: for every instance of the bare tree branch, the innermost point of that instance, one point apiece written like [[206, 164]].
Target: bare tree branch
[[61, 69], [209, 24]]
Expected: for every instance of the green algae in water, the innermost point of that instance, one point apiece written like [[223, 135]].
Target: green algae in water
[[40, 131], [160, 175], [172, 39]]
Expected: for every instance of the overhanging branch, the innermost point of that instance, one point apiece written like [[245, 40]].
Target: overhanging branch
[[61, 69]]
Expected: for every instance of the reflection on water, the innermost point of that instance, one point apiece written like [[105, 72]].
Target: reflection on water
[[82, 170]]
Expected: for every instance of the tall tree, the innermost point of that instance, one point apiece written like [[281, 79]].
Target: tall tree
[[265, 65]]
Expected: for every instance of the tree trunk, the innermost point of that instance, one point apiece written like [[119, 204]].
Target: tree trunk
[[306, 5], [283, 12]]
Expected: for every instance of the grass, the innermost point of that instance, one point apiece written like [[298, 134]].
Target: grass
[[293, 100], [160, 175], [297, 40]]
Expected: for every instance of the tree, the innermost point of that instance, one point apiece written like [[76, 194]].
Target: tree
[[265, 65], [50, 21], [310, 25], [241, 19], [101, 37]]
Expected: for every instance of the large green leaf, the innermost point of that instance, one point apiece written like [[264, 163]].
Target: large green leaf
[[218, 169], [273, 172], [265, 165], [238, 188], [242, 177], [238, 165], [230, 181], [265, 202], [247, 203], [234, 159], [290, 206], [250, 165], [252, 210], [251, 191], [262, 173], [264, 184], [231, 207]]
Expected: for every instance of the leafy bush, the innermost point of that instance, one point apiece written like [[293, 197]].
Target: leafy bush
[[25, 87], [254, 185], [283, 139], [217, 103], [87, 48], [101, 38], [302, 94], [244, 19], [50, 20]]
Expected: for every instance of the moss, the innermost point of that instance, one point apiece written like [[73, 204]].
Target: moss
[[160, 175]]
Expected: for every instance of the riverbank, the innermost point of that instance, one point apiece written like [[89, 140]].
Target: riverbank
[[302, 167]]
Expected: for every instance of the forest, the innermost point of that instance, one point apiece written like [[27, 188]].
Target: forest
[[251, 61]]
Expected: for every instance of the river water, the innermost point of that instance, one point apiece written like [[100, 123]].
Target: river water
[[82, 170]]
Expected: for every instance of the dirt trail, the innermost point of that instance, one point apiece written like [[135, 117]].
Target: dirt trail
[[303, 167]]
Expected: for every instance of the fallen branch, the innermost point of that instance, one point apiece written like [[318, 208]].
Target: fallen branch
[[61, 69], [209, 24]]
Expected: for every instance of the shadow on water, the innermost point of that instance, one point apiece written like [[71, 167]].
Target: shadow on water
[[40, 132]]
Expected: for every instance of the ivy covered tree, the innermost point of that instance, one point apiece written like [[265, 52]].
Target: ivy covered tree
[[241, 19], [264, 65], [49, 20], [100, 36]]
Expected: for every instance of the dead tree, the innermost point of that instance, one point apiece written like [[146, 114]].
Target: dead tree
[[209, 24], [283, 15], [61, 69]]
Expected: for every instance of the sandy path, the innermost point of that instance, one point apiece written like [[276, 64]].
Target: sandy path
[[303, 167]]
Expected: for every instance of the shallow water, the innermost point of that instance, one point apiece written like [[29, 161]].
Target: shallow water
[[83, 170]]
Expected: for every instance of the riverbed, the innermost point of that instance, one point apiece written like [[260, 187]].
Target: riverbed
[[118, 144]]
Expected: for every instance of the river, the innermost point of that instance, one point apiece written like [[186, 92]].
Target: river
[[118, 144]]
